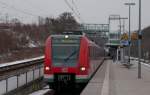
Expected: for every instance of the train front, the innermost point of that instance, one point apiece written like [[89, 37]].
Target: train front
[[66, 61]]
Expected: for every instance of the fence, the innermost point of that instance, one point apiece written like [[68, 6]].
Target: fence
[[11, 83]]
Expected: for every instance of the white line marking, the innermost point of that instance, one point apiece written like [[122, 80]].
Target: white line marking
[[105, 88]]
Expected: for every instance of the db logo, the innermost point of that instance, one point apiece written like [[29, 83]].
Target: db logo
[[64, 70]]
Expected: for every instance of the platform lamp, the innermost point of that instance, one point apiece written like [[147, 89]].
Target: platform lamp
[[139, 42], [129, 4]]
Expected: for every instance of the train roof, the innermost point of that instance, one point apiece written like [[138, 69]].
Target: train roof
[[67, 35], [60, 36], [72, 34]]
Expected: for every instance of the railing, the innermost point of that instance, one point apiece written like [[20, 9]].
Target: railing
[[95, 27], [134, 58], [142, 60], [21, 77]]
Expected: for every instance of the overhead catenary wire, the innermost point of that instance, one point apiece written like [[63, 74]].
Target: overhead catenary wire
[[76, 8], [16, 9], [11, 7], [33, 6], [68, 4]]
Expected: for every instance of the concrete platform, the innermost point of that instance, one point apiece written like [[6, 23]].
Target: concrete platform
[[95, 85], [116, 79]]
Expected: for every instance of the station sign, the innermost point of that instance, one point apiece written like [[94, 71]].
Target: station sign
[[124, 42], [134, 36], [124, 36]]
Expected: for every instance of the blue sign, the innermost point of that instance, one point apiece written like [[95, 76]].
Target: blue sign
[[124, 42]]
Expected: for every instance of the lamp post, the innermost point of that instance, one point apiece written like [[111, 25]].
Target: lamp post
[[129, 4], [139, 42]]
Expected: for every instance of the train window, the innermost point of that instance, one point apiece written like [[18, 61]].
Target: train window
[[65, 53]]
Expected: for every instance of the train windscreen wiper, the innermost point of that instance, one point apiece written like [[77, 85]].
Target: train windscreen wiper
[[72, 54]]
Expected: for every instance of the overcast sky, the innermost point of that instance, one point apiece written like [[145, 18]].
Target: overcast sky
[[91, 11]]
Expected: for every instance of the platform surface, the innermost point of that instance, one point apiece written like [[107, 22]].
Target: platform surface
[[113, 78]]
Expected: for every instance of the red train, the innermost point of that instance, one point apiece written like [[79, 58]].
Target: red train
[[67, 60]]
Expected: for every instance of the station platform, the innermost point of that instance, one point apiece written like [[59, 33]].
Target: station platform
[[115, 79]]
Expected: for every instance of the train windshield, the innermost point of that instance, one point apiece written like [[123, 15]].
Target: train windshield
[[65, 52]]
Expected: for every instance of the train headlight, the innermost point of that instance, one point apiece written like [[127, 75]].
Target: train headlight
[[47, 68], [66, 36], [82, 68]]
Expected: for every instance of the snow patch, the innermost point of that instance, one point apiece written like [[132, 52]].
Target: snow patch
[[32, 45], [20, 61], [40, 92]]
